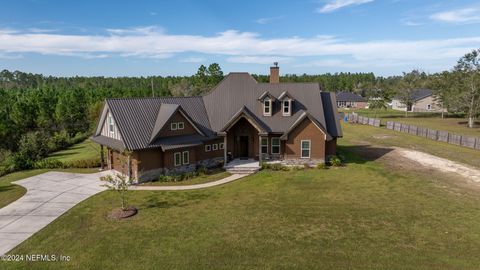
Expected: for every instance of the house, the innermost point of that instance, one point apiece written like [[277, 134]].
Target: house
[[294, 123], [423, 100], [350, 100]]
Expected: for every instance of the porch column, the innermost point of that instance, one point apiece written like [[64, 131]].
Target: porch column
[[129, 167], [102, 158], [225, 150], [259, 149]]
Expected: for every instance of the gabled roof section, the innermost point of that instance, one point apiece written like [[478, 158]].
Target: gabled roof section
[[332, 117], [166, 112], [419, 94], [245, 112], [349, 97], [264, 95], [284, 95], [136, 118], [303, 116], [240, 89]]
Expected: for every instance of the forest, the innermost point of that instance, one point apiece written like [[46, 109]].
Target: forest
[[41, 114]]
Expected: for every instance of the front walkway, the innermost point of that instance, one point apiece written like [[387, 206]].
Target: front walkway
[[48, 196], [225, 180]]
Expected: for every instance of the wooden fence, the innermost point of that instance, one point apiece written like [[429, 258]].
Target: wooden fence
[[436, 135], [358, 119]]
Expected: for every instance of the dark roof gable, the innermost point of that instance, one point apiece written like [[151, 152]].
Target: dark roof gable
[[349, 97], [140, 119]]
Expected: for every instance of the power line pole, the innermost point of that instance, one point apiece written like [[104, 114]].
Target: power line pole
[[151, 82]]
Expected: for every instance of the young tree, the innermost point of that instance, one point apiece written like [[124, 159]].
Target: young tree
[[407, 86], [120, 182], [469, 68], [444, 87]]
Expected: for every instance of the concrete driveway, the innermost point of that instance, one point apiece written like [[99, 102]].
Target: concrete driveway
[[48, 196]]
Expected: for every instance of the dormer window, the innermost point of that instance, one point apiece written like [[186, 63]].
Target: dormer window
[[287, 107], [286, 100], [267, 107]]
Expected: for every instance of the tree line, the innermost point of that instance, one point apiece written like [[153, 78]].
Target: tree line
[[40, 114]]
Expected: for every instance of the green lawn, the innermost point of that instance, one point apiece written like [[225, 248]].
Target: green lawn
[[213, 176], [85, 150], [429, 120], [362, 216], [10, 192], [360, 134]]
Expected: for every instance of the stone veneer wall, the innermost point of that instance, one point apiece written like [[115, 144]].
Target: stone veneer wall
[[302, 161], [152, 174]]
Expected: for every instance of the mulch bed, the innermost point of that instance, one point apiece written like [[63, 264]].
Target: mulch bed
[[119, 213]]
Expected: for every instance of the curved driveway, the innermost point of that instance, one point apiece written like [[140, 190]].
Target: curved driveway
[[48, 196]]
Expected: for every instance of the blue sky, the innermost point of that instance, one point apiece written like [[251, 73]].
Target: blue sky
[[141, 38]]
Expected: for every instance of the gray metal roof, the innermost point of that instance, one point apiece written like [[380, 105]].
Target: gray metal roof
[[137, 117], [140, 119], [419, 94], [349, 97], [240, 89], [175, 142], [113, 143]]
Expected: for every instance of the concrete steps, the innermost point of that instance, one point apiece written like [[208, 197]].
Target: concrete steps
[[242, 170], [238, 166]]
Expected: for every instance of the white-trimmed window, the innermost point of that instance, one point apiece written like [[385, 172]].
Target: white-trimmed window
[[221, 145], [177, 159], [186, 157], [267, 107], [180, 125], [111, 126], [429, 106], [287, 107], [264, 146], [305, 147], [214, 147], [208, 148], [173, 126], [275, 145]]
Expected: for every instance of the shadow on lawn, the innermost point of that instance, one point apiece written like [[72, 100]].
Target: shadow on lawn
[[359, 154], [181, 200], [6, 188]]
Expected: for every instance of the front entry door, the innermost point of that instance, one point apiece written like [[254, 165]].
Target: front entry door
[[243, 147]]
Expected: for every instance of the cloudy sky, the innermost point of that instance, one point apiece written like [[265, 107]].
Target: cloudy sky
[[141, 38]]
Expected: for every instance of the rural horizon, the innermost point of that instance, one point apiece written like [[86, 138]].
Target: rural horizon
[[330, 134]]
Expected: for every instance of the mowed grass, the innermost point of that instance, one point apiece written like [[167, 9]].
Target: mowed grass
[[362, 216], [85, 150], [10, 192], [201, 179], [355, 134], [452, 124]]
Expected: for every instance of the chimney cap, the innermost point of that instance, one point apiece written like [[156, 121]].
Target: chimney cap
[[275, 64]]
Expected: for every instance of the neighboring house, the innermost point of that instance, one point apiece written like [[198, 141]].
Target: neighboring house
[[350, 100], [240, 118], [423, 101]]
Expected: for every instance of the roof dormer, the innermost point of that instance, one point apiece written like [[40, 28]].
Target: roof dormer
[[267, 105], [287, 102]]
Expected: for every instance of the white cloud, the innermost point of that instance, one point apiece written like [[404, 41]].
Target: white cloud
[[267, 20], [238, 47], [464, 15], [258, 59], [193, 60], [334, 5]]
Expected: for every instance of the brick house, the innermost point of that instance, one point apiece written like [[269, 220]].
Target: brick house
[[294, 123], [423, 100], [350, 100]]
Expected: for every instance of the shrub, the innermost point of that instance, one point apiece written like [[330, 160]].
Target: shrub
[[335, 161], [322, 166], [274, 166]]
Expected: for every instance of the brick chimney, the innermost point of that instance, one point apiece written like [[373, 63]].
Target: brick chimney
[[275, 73]]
